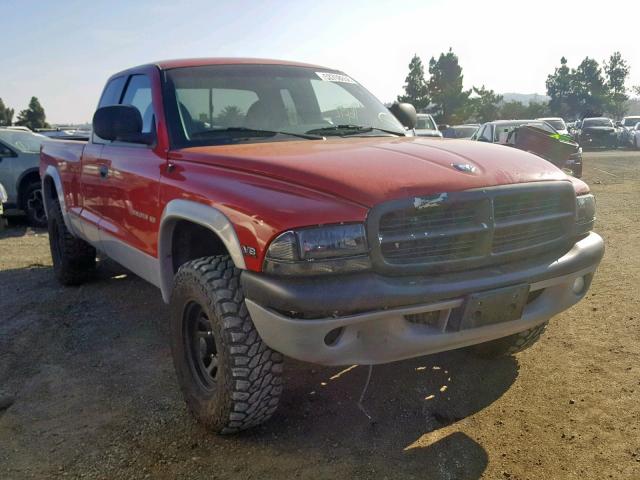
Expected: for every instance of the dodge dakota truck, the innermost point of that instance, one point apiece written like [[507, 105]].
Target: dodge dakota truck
[[282, 210]]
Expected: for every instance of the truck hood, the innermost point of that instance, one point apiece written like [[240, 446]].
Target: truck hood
[[369, 170]]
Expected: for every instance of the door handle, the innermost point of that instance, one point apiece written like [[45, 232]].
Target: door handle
[[104, 171]]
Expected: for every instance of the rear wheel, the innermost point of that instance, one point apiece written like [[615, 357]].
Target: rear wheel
[[74, 260], [34, 205], [509, 345], [230, 379]]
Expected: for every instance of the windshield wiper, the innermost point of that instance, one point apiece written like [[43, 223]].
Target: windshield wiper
[[348, 129], [253, 132]]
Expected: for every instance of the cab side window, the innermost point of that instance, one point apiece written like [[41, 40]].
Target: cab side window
[[138, 94], [112, 92], [110, 96]]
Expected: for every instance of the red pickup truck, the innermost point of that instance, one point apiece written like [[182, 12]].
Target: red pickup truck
[[281, 209]]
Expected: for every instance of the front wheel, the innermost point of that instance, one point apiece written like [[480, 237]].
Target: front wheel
[[230, 379], [510, 345]]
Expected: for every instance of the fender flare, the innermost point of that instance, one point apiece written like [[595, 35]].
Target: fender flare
[[52, 173], [201, 214]]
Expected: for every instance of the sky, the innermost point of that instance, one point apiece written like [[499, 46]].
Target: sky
[[63, 51]]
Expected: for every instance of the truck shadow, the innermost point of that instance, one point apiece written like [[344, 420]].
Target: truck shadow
[[18, 227], [93, 334], [418, 408]]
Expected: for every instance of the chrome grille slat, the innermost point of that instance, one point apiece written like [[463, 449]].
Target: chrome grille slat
[[480, 227]]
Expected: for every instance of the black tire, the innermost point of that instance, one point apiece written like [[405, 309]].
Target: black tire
[[231, 380], [74, 260], [33, 205], [510, 345]]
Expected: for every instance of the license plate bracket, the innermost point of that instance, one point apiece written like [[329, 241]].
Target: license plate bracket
[[494, 306]]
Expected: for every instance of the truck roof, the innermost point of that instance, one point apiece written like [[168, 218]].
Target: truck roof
[[199, 62]]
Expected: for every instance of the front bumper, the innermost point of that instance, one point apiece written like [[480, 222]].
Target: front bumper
[[371, 309], [598, 141]]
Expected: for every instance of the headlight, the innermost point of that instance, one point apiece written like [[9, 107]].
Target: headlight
[[585, 214], [330, 249]]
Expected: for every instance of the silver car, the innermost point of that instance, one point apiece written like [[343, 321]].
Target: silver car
[[19, 161]]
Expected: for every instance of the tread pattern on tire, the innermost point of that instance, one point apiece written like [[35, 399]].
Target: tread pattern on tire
[[252, 381], [78, 258], [512, 344]]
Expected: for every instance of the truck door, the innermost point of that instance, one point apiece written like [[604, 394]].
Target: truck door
[[130, 212], [93, 178]]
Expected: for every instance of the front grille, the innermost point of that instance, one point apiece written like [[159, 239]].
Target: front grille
[[527, 235], [460, 229]]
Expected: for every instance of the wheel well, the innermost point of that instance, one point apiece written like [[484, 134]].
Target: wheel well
[[190, 241], [25, 181]]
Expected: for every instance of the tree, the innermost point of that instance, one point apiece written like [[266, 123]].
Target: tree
[[537, 110], [617, 70], [450, 101], [513, 110], [33, 117], [485, 105], [231, 116], [636, 89], [564, 102], [590, 88], [6, 114], [415, 86]]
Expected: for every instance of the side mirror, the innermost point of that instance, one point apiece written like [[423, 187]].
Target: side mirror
[[405, 113], [618, 124], [120, 122], [443, 127]]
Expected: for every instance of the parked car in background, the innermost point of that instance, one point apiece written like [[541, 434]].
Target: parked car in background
[[634, 135], [502, 132], [17, 127], [557, 123], [597, 132], [461, 131], [498, 131], [627, 131], [19, 160], [426, 126], [284, 230], [3, 199], [66, 134]]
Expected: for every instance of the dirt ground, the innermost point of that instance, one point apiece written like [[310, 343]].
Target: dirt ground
[[87, 388]]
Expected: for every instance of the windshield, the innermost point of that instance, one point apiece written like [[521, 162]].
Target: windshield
[[459, 132], [631, 121], [425, 122], [222, 104], [557, 124], [596, 122], [25, 142]]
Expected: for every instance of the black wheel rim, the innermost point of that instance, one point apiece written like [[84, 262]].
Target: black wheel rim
[[200, 346], [35, 206]]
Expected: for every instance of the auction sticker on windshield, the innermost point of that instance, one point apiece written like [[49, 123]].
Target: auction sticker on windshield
[[335, 77]]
